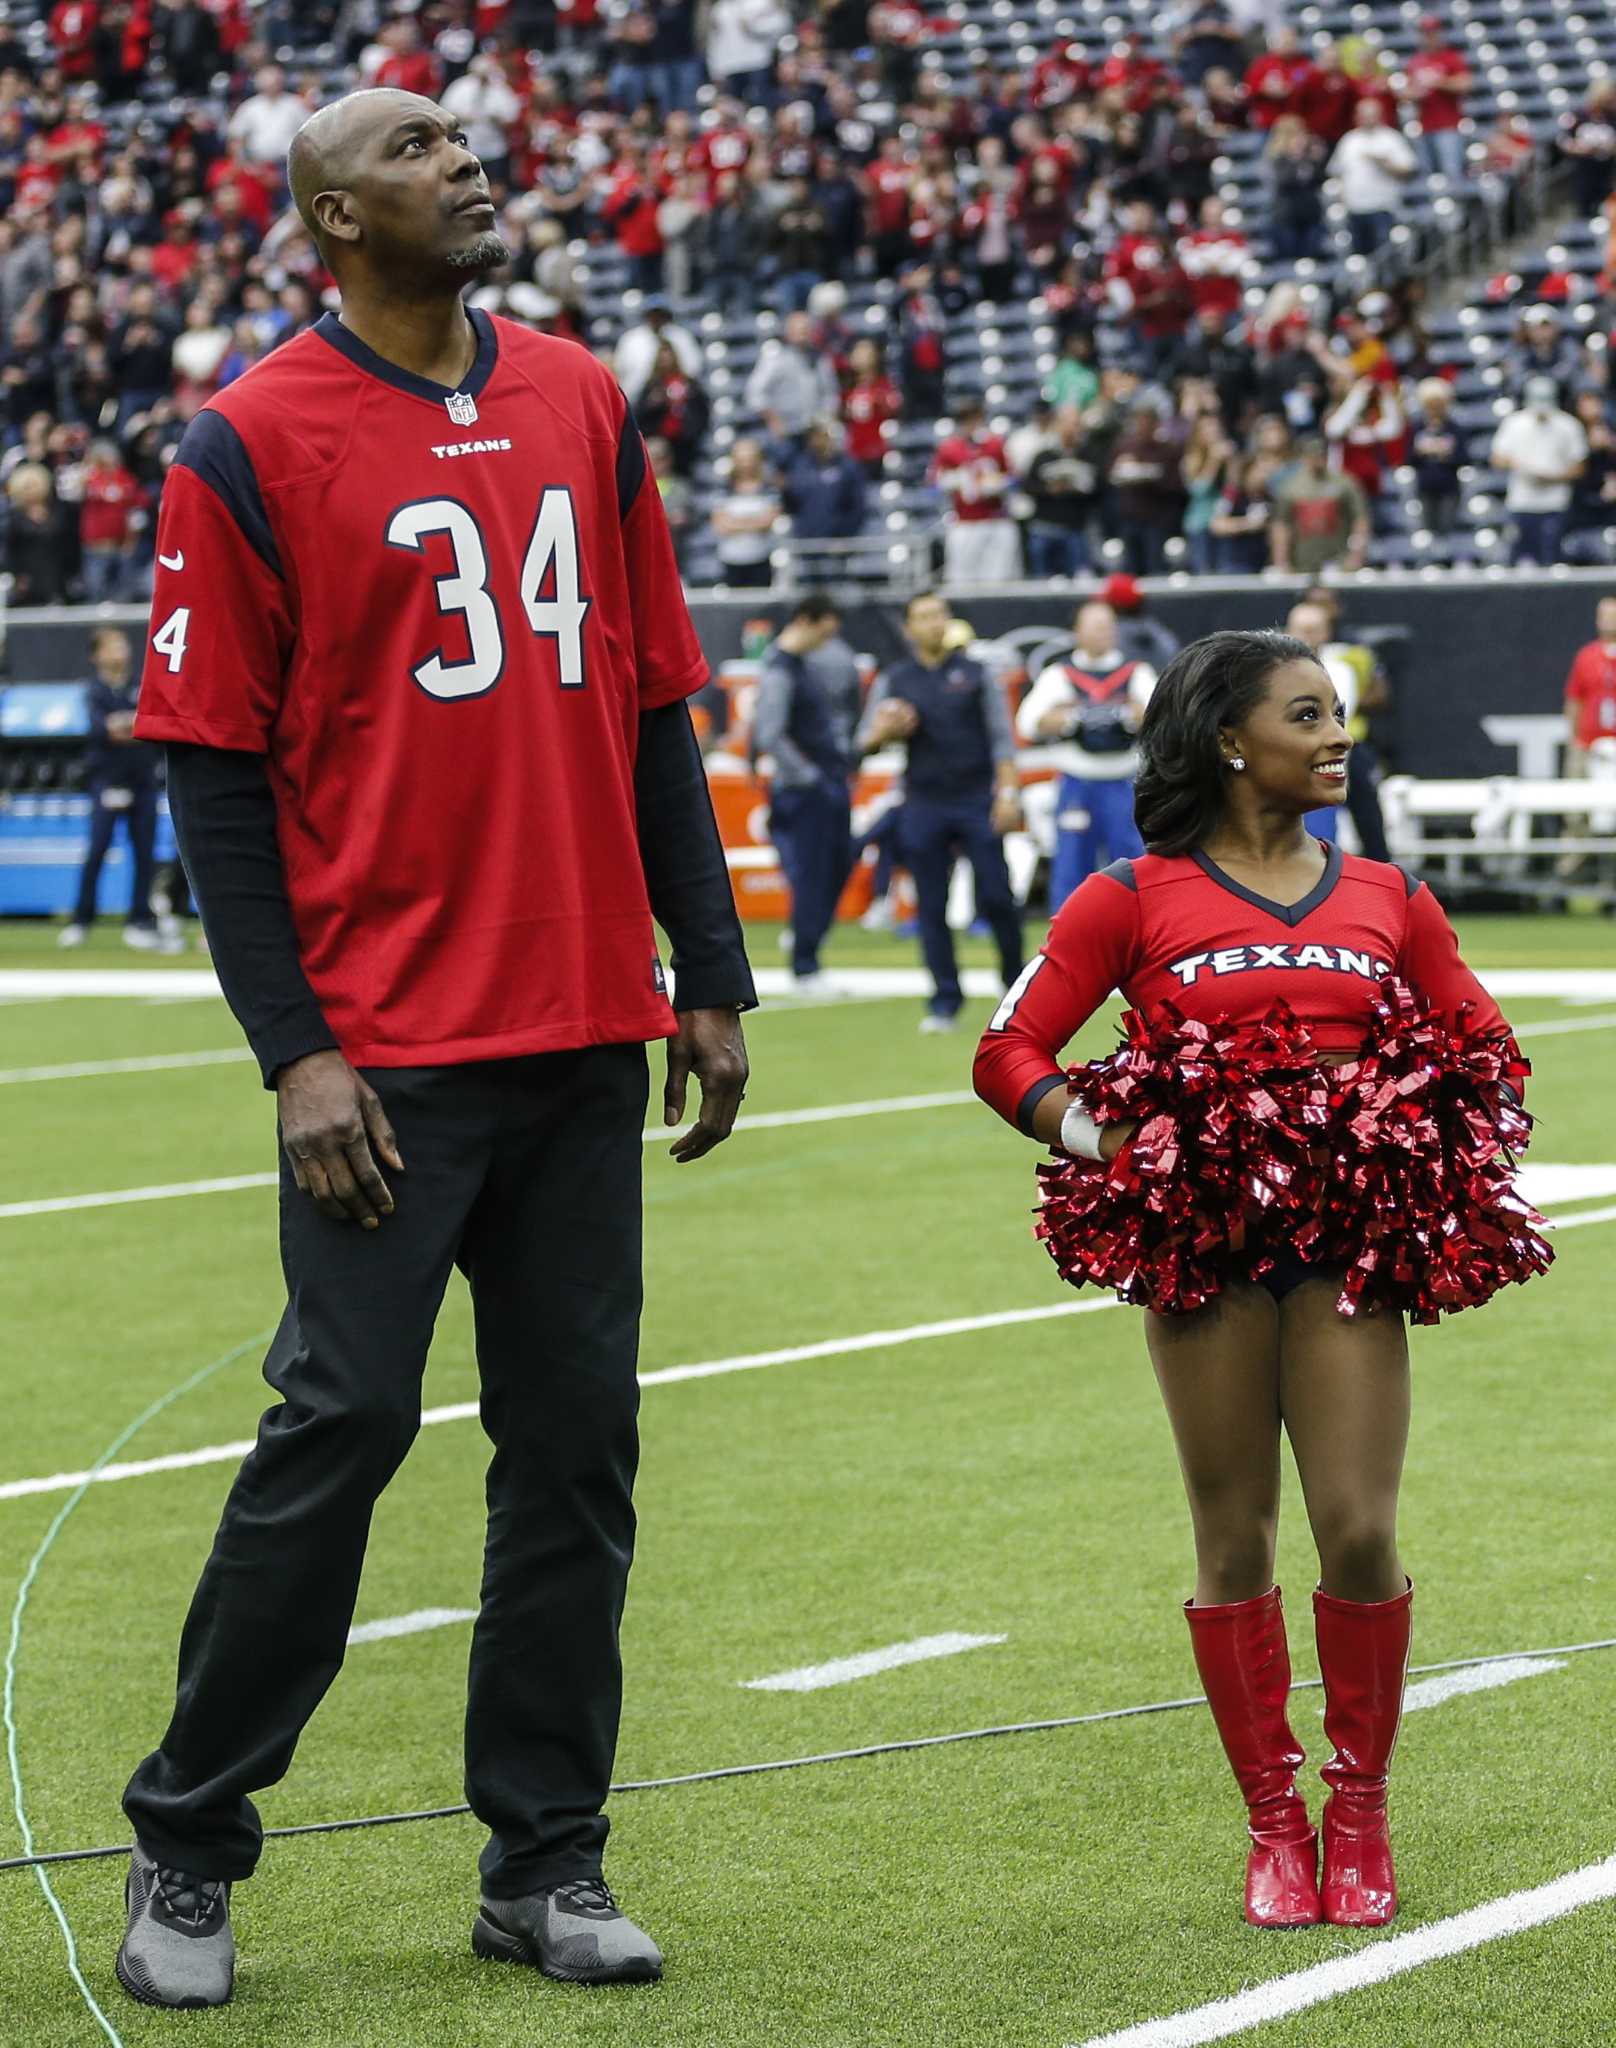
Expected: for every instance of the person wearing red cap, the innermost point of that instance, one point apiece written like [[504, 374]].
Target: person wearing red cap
[[1437, 79], [1141, 638]]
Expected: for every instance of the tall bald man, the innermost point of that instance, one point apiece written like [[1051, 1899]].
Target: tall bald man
[[419, 656]]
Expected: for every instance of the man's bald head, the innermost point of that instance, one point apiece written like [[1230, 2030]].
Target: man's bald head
[[326, 150], [385, 181]]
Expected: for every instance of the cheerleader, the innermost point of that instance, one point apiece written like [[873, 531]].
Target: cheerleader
[[1234, 906]]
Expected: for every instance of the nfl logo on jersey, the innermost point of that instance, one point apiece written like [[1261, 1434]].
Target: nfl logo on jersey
[[462, 408]]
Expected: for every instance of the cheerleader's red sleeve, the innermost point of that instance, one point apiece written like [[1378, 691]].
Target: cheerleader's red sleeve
[[1092, 948], [1429, 962]]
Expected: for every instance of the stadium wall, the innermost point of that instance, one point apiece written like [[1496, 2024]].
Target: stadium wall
[[1468, 656]]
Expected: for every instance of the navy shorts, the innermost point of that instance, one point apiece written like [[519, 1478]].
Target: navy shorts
[[1286, 1274]]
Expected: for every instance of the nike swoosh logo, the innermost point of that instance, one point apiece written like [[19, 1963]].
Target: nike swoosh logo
[[178, 561]]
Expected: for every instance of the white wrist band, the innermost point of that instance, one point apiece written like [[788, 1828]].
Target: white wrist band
[[1080, 1134]]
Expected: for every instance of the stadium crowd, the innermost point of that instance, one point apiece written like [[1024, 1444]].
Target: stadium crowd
[[743, 153]]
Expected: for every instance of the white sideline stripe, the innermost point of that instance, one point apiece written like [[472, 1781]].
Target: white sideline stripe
[[410, 1624], [1431, 1692], [1597, 984], [1282, 1996], [50, 983], [1550, 1186], [771, 1120], [164, 1062], [843, 1670], [466, 1411]]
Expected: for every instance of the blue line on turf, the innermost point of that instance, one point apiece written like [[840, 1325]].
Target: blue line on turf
[[14, 1646]]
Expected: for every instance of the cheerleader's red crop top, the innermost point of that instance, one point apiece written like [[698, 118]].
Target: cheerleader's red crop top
[[1177, 929]]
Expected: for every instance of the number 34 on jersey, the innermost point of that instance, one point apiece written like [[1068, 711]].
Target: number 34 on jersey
[[464, 591]]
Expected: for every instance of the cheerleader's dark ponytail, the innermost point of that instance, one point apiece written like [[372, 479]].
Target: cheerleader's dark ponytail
[[1214, 682]]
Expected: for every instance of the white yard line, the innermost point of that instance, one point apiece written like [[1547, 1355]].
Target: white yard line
[[153, 1063], [1583, 1216], [410, 1624], [773, 1120], [1374, 1963], [713, 1368], [1431, 1692], [866, 1663], [1556, 1027], [835, 1347], [57, 1205]]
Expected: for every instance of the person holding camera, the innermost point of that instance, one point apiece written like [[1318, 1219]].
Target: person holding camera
[[1085, 710]]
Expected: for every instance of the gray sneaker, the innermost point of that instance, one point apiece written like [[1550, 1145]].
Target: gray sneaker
[[575, 1932], [178, 1950]]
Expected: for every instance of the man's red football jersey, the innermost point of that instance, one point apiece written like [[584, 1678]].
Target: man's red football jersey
[[440, 615], [1179, 930]]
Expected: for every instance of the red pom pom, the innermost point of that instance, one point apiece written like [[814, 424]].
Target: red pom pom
[[1422, 1207], [1230, 1118], [1398, 1167]]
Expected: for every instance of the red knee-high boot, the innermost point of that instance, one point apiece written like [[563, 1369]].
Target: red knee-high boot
[[1245, 1666], [1363, 1657]]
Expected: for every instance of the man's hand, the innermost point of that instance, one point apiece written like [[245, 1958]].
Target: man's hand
[[710, 1045], [896, 719], [330, 1118], [1006, 816]]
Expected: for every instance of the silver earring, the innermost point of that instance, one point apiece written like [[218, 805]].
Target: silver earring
[[1237, 762]]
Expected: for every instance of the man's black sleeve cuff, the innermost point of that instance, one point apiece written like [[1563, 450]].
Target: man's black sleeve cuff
[[686, 876], [224, 821]]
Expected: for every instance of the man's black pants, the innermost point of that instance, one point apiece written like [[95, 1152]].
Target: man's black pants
[[930, 835], [140, 822], [525, 1173]]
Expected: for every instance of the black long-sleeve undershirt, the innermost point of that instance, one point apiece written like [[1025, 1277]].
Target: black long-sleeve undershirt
[[224, 820]]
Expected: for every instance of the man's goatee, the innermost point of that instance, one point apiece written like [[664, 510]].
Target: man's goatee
[[488, 252]]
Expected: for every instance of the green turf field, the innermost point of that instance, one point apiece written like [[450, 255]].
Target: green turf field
[[1034, 1890]]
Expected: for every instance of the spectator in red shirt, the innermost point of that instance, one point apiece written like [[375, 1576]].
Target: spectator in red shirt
[[1590, 703], [1590, 691], [869, 404], [110, 513], [887, 180], [1328, 98], [1437, 80], [37, 176], [175, 257], [1133, 72], [76, 143], [1276, 79], [407, 67], [1059, 77], [73, 25], [1149, 284], [981, 543], [254, 197], [630, 210], [1213, 256]]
